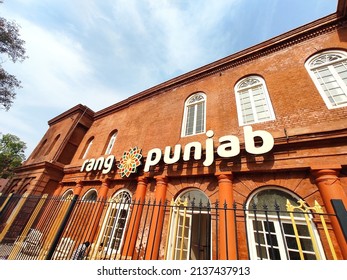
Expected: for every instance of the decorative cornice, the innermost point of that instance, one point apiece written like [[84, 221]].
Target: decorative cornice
[[40, 165]]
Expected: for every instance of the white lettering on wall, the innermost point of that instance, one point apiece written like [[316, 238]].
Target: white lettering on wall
[[229, 146], [256, 142], [267, 141], [101, 164]]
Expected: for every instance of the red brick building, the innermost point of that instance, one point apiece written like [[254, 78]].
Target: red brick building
[[265, 125]]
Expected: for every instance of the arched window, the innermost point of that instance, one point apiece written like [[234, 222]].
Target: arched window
[[52, 145], [190, 227], [90, 195], [39, 149], [271, 233], [87, 147], [328, 71], [67, 194], [253, 101], [111, 143], [113, 229], [194, 119]]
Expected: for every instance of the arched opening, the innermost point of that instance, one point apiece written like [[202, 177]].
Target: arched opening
[[90, 195], [67, 194], [273, 234], [111, 237], [190, 227]]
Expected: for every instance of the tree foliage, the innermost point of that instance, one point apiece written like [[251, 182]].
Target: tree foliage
[[11, 154], [12, 46]]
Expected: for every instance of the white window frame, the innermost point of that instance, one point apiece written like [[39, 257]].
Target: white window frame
[[194, 100], [111, 143], [248, 84], [120, 202], [328, 59], [67, 193], [88, 147], [280, 235]]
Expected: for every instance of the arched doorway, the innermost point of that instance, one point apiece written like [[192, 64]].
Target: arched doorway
[[113, 229], [189, 235]]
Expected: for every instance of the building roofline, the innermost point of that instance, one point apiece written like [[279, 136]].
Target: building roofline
[[294, 36], [76, 109], [284, 40]]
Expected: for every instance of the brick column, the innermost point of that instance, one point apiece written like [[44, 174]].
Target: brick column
[[105, 186], [155, 230], [78, 188], [98, 208], [58, 190], [135, 219], [227, 245], [330, 187]]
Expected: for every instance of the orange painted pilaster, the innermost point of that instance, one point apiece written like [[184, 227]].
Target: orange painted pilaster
[[136, 213], [78, 188], [227, 239], [98, 208], [105, 185], [330, 187], [58, 190], [155, 231]]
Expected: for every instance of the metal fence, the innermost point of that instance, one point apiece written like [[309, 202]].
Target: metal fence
[[48, 227]]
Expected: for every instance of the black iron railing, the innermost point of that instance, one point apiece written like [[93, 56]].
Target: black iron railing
[[44, 227]]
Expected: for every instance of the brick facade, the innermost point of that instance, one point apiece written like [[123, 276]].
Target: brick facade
[[308, 136]]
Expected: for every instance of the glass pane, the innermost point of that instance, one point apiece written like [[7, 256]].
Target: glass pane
[[308, 256], [190, 120], [341, 69], [341, 98], [303, 230], [294, 255], [274, 253], [248, 119], [258, 93], [246, 104], [271, 240], [291, 242], [247, 112], [330, 85], [288, 228], [200, 118], [269, 226], [200, 243], [306, 244], [270, 197], [259, 237], [196, 197], [324, 74], [184, 255], [263, 116], [261, 252], [257, 225]]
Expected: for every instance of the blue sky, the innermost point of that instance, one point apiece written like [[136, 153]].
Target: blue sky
[[99, 52]]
